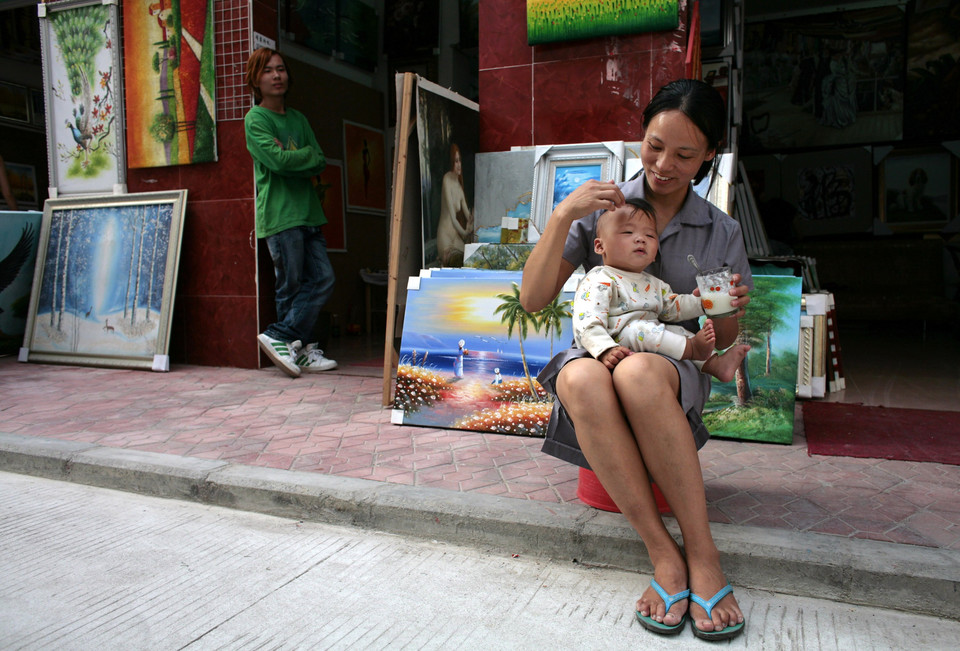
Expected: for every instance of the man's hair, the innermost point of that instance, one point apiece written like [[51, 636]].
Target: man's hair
[[255, 66]]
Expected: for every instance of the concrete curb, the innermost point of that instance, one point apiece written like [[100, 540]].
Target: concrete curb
[[870, 573]]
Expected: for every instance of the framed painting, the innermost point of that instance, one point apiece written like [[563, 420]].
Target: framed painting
[[823, 80], [758, 405], [932, 63], [831, 190], [549, 21], [83, 94], [366, 168], [469, 354], [559, 169], [503, 182], [23, 184], [14, 103], [330, 189], [169, 70], [918, 189], [19, 235], [448, 141], [104, 281]]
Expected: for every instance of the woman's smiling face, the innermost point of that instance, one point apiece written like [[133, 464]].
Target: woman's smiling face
[[672, 151]]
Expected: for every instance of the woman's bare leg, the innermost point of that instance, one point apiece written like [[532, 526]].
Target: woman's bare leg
[[585, 387], [651, 384]]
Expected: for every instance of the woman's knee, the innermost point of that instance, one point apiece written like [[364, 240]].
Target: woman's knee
[[646, 377], [585, 384]]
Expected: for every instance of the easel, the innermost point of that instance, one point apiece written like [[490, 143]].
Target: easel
[[405, 238]]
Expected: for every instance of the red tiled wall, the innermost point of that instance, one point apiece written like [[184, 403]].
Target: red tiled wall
[[578, 91], [215, 309]]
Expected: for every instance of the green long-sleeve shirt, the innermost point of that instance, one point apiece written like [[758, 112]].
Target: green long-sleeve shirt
[[286, 197]]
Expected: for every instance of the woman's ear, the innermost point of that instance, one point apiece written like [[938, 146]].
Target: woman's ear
[[710, 154]]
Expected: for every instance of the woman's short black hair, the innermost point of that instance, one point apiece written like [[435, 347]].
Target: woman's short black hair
[[701, 103]]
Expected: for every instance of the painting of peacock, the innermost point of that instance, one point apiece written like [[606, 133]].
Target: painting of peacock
[[80, 128]]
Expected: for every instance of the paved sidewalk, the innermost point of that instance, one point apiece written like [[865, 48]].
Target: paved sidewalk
[[82, 567], [332, 424]]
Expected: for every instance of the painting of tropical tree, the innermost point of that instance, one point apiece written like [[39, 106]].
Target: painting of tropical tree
[[758, 404], [470, 354], [551, 318], [513, 314], [169, 63]]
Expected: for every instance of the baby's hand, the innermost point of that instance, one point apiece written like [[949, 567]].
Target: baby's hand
[[612, 356]]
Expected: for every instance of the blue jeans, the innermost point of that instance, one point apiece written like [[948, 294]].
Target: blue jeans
[[304, 281]]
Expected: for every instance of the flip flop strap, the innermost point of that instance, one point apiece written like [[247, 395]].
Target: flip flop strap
[[669, 599], [708, 605]]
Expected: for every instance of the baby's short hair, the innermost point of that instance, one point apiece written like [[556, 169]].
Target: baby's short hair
[[639, 205]]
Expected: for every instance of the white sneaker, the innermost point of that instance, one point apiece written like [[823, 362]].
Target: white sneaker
[[281, 353], [311, 360]]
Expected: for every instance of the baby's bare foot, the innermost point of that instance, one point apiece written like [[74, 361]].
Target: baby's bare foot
[[724, 367], [702, 343]]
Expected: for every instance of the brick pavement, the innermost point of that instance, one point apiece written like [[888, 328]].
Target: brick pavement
[[333, 423]]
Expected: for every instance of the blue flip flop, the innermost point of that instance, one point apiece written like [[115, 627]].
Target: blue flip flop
[[728, 631], [651, 624]]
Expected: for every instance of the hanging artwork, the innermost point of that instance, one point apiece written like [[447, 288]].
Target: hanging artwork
[[470, 353], [330, 189], [23, 184], [560, 169], [14, 102], [170, 77], [366, 168], [758, 405], [823, 80], [447, 130], [84, 97], [918, 188], [565, 20], [104, 281], [831, 190], [933, 71]]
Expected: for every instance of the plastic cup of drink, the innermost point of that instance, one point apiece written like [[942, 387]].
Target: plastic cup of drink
[[715, 286]]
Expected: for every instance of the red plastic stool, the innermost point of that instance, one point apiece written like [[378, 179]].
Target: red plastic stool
[[591, 492]]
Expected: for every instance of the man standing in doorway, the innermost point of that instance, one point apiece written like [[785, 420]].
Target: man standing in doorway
[[286, 160]]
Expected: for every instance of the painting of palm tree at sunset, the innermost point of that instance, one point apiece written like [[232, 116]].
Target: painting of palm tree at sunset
[[470, 354]]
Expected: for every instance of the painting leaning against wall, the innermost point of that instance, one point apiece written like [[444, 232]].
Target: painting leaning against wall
[[104, 280], [470, 353], [170, 80]]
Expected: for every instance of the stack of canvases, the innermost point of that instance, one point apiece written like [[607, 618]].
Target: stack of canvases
[[821, 366]]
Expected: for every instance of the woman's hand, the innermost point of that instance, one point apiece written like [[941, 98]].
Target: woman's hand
[[728, 328], [590, 197], [742, 293]]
